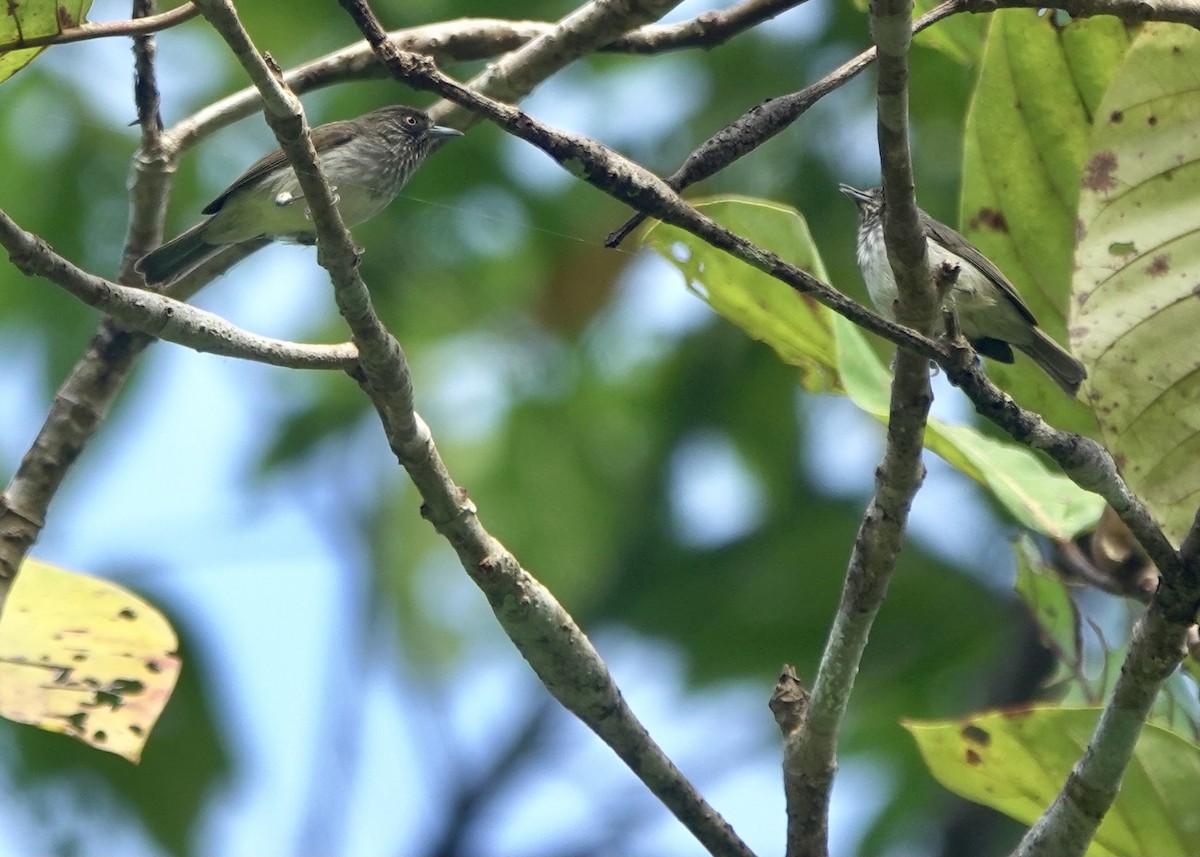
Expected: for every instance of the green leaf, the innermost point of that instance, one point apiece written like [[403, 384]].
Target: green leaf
[[1024, 149], [1137, 265], [795, 325], [835, 357], [1016, 762], [25, 19]]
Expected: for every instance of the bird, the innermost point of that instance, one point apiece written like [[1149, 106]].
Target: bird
[[990, 311], [367, 161]]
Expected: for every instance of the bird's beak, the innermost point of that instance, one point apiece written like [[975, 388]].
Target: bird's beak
[[858, 197], [438, 132]]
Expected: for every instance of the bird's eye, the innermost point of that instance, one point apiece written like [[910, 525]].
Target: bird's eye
[[410, 121]]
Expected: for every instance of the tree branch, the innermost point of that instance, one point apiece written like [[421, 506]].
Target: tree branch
[[763, 121], [1156, 648], [1083, 460], [470, 39], [163, 317], [704, 31], [88, 392], [554, 646], [810, 756], [141, 25]]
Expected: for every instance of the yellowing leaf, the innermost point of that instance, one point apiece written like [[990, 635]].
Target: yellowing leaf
[[84, 657], [1016, 762]]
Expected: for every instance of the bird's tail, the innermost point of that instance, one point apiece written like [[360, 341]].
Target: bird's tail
[[178, 255], [1066, 371]]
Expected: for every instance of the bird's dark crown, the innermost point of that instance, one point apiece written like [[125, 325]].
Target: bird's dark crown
[[410, 120]]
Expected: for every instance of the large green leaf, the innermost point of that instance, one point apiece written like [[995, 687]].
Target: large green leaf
[[24, 19], [1136, 269], [834, 356], [1025, 144], [1016, 762]]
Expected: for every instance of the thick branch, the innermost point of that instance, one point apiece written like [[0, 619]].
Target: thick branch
[[903, 235], [810, 753]]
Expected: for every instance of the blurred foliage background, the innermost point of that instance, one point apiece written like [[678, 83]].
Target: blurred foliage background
[[345, 689]]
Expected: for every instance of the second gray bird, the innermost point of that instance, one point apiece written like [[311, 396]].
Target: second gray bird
[[990, 312], [367, 161]]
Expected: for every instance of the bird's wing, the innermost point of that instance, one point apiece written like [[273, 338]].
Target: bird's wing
[[325, 137], [944, 235]]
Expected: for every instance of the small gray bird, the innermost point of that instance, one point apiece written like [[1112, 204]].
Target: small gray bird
[[367, 161], [990, 313]]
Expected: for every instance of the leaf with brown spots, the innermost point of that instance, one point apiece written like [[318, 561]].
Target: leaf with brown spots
[[1098, 172], [1021, 766], [84, 657], [1026, 139], [1136, 269]]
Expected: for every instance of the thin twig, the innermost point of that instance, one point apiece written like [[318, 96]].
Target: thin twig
[[465, 40], [139, 26], [762, 122], [704, 31]]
